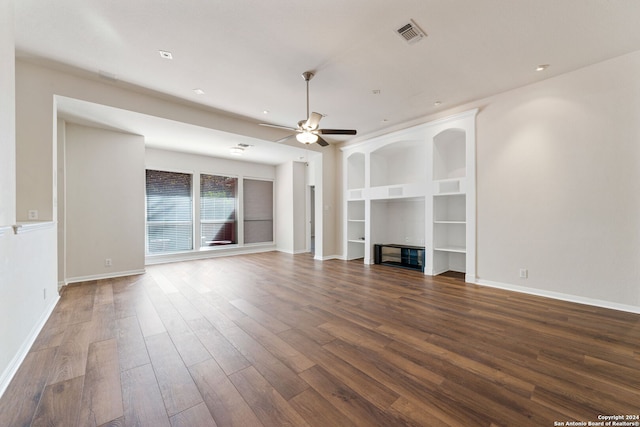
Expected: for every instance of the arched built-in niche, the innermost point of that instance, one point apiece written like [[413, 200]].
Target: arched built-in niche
[[355, 171], [398, 162], [449, 157]]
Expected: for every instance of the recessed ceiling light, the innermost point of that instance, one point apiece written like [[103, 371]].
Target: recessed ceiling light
[[165, 54], [236, 151], [198, 91], [437, 103], [542, 67], [265, 111]]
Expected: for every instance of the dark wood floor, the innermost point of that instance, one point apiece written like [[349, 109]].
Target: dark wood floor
[[280, 340]]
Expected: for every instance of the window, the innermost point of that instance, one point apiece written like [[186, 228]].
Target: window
[[169, 212], [218, 210], [258, 211]]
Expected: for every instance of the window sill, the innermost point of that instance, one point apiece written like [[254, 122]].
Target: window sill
[[209, 252]]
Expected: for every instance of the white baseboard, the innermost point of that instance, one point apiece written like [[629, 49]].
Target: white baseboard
[[326, 257], [556, 295], [17, 360], [103, 276]]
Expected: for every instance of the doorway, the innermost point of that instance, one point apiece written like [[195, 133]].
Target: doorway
[[312, 221]]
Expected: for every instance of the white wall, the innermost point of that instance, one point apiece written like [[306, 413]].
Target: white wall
[[291, 218], [558, 168], [7, 116], [299, 208], [104, 203], [184, 162], [284, 219], [28, 259]]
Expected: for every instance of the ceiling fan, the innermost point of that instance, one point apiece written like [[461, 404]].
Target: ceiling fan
[[307, 131]]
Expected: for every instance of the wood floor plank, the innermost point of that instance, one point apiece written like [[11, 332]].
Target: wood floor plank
[[226, 405], [270, 407], [150, 322], [102, 391], [265, 319], [187, 343], [377, 394], [103, 321], [118, 422], [142, 401], [83, 297], [60, 404], [281, 377], [132, 350], [317, 411], [275, 345], [197, 416], [71, 357], [178, 390], [104, 292], [354, 406], [225, 354], [21, 398]]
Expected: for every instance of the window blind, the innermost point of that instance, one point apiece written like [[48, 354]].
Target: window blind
[[258, 211], [218, 203], [169, 211]]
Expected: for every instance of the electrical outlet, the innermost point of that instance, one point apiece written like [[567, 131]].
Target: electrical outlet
[[33, 214], [107, 262], [524, 273]]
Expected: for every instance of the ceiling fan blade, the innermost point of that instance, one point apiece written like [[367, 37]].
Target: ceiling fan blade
[[277, 126], [313, 121], [286, 138], [337, 131], [321, 142]]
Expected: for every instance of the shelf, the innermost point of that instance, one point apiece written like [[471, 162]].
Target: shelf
[[356, 240], [449, 222], [355, 220], [456, 249], [448, 194]]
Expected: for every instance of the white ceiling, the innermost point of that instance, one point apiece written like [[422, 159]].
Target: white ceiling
[[248, 55]]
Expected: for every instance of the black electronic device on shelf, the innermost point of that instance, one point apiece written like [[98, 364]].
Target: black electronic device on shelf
[[403, 256]]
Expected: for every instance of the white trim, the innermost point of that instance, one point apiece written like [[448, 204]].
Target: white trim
[[23, 227], [298, 252], [102, 276], [559, 296], [328, 257], [19, 357], [4, 228]]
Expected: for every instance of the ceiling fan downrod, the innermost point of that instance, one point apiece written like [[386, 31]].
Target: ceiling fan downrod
[[307, 75]]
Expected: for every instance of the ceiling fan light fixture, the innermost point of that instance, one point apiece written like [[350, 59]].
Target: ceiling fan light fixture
[[307, 137]]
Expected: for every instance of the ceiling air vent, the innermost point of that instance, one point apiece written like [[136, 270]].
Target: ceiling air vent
[[411, 33]]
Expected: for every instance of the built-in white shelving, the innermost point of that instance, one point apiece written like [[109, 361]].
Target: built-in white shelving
[[414, 187]]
